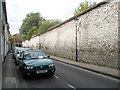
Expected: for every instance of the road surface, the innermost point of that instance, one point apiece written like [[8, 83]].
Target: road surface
[[66, 76]]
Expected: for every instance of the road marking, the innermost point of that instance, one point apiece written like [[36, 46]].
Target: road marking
[[56, 76], [71, 86], [105, 76]]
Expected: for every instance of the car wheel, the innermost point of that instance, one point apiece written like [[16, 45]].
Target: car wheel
[[19, 68], [23, 75], [14, 57], [51, 74], [16, 63]]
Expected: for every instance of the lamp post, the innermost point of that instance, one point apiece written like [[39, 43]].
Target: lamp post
[[76, 51]]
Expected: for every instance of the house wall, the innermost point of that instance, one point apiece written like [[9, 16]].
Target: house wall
[[4, 31], [1, 59]]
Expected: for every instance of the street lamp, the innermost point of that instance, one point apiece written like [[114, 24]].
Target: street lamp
[[39, 42], [76, 51]]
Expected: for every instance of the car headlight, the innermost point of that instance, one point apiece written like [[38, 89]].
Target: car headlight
[[51, 65], [28, 67]]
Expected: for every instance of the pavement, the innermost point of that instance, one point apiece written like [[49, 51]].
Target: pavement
[[8, 72], [112, 72]]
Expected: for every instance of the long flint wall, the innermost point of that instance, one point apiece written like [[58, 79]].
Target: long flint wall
[[97, 36], [60, 41]]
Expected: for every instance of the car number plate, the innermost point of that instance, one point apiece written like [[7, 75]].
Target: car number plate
[[42, 71]]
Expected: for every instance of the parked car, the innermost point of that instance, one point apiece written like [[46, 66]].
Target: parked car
[[35, 62], [14, 51], [17, 52]]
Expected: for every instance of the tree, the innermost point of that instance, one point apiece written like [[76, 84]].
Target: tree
[[11, 39], [34, 24], [15, 40], [45, 25], [32, 19], [31, 32], [16, 34], [83, 6]]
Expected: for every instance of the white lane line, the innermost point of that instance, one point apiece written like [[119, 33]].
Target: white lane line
[[56, 76], [71, 86], [105, 76]]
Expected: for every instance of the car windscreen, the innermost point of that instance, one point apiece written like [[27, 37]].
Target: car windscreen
[[35, 55]]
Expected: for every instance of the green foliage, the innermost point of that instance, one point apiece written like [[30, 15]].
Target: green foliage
[[31, 32], [83, 6], [11, 39], [34, 24], [32, 19], [47, 24], [16, 34]]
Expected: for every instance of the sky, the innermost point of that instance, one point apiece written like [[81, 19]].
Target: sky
[[49, 9]]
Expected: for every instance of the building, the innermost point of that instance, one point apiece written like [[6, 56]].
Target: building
[[4, 33]]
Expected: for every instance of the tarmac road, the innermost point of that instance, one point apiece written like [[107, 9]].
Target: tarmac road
[[66, 76]]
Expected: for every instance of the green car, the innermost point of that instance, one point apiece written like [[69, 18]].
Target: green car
[[35, 62]]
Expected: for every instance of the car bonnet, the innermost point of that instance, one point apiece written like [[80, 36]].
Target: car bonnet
[[37, 62]]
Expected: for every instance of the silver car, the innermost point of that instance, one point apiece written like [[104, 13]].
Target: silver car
[[17, 52]]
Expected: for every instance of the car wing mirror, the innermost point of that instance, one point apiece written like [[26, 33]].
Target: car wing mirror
[[18, 55], [48, 56], [20, 58]]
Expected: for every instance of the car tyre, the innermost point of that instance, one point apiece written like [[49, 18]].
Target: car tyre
[[19, 68], [51, 74], [16, 63], [23, 74]]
